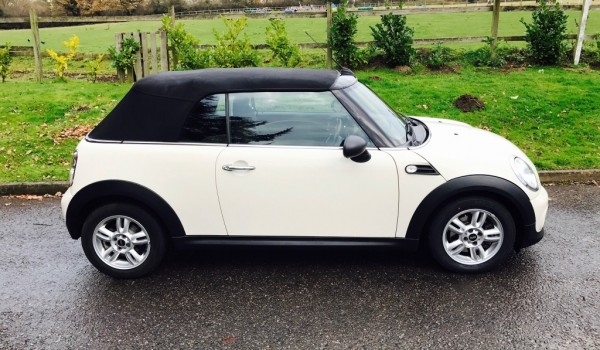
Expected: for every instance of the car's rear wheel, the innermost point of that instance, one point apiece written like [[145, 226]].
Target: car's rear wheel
[[473, 234], [123, 240]]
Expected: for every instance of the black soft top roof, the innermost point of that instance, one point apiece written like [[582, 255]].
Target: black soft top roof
[[156, 107]]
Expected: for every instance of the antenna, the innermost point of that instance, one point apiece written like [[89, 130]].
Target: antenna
[[334, 60]]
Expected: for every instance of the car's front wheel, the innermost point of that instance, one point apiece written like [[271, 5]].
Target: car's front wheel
[[123, 241], [473, 234]]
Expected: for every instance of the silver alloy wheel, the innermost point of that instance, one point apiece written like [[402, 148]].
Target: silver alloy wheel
[[473, 236], [121, 242]]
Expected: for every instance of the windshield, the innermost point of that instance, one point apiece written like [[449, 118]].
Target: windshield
[[387, 120]]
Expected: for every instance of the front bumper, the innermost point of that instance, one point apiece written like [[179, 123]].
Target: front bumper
[[64, 202], [540, 207], [533, 233], [529, 237]]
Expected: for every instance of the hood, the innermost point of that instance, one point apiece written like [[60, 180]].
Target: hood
[[457, 149]]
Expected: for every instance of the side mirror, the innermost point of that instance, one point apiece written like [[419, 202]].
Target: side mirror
[[355, 148]]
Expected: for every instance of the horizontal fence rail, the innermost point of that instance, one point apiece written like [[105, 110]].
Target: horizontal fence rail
[[471, 39], [418, 9], [28, 50]]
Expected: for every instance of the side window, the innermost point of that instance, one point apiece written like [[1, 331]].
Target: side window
[[206, 122], [290, 119]]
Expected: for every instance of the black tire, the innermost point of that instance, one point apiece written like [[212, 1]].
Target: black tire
[[142, 224], [487, 247]]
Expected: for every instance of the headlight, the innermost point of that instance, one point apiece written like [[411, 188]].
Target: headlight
[[525, 174]]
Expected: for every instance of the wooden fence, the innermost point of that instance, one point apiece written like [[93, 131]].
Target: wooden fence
[[153, 52]]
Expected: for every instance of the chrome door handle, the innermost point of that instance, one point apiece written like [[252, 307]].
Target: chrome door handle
[[229, 167]]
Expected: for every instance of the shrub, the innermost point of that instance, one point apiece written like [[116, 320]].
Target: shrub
[[512, 55], [546, 34], [233, 48], [482, 57], [279, 43], [343, 29], [5, 61], [590, 52], [438, 57], [185, 54], [124, 58], [394, 38], [62, 61], [92, 67]]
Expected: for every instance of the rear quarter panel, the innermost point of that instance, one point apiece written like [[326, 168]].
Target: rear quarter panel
[[183, 175]]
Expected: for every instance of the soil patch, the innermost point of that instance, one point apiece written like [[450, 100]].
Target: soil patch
[[469, 103]]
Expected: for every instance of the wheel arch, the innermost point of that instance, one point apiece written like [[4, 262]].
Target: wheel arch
[[104, 192], [507, 193]]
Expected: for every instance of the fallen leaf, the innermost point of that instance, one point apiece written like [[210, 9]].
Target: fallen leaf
[[229, 340], [75, 132], [29, 197]]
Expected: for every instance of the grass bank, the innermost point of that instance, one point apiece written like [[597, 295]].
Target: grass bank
[[98, 37], [552, 114], [40, 125]]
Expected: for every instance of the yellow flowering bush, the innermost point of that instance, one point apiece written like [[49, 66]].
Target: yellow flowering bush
[[61, 61]]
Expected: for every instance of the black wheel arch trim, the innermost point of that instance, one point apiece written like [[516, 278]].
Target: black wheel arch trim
[[509, 194], [108, 191]]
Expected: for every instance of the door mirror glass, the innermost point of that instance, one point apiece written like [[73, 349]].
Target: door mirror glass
[[355, 148]]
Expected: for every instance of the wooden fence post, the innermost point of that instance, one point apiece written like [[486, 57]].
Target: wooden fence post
[[118, 46], [153, 52], [495, 20], [174, 62], [137, 69], [33, 20], [164, 51], [172, 14], [584, 15], [144, 49], [329, 24]]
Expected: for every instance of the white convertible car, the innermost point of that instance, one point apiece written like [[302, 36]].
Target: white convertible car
[[292, 156]]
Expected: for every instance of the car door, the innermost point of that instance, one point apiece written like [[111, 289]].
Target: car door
[[284, 174]]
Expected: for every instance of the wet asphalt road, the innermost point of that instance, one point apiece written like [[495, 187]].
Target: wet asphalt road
[[547, 296]]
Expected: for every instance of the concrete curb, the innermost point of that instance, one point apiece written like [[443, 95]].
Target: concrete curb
[[569, 176], [32, 188], [42, 188]]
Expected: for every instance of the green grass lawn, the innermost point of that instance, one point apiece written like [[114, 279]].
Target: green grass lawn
[[553, 114], [37, 121], [97, 38]]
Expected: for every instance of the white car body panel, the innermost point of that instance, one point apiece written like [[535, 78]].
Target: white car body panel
[[413, 188], [300, 192], [450, 150], [456, 149], [183, 175]]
